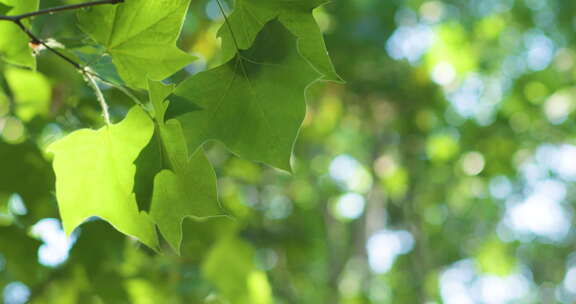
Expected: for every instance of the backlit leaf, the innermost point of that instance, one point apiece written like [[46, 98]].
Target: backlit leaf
[[255, 103], [188, 187], [13, 42], [250, 17], [140, 36], [95, 176]]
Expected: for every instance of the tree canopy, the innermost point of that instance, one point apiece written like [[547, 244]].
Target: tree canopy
[[272, 151]]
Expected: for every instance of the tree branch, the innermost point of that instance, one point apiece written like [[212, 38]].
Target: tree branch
[[53, 10]]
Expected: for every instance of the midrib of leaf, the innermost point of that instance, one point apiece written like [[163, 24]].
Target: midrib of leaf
[[109, 40], [275, 134], [258, 102], [250, 13], [244, 71], [219, 104]]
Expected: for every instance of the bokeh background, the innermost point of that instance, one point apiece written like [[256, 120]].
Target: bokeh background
[[442, 171]]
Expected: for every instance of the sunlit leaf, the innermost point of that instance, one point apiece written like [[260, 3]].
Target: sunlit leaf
[[13, 42], [188, 187], [95, 176], [140, 36]]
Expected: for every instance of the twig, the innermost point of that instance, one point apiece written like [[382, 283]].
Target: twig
[[34, 39], [53, 10]]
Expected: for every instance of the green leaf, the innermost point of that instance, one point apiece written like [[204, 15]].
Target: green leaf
[[32, 92], [250, 16], [188, 187], [95, 176], [255, 103], [13, 42], [140, 36]]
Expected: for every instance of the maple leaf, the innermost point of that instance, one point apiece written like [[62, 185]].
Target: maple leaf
[[254, 103], [95, 176], [140, 36], [188, 187]]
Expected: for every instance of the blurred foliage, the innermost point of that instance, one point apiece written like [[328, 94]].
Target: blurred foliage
[[441, 172]]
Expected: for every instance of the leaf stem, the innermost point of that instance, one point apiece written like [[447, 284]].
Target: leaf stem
[[52, 10], [92, 81]]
